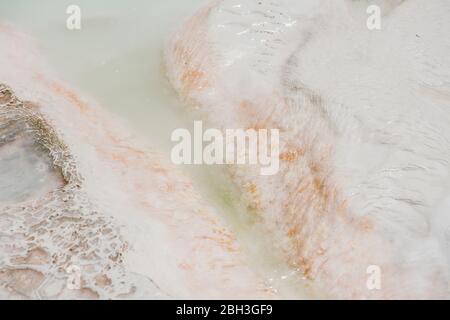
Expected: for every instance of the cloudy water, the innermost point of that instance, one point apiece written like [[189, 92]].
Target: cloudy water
[[116, 59]]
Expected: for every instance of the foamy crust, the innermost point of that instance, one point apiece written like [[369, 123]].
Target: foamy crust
[[151, 233], [45, 237], [304, 207]]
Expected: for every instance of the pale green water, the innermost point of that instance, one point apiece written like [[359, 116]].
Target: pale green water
[[116, 59]]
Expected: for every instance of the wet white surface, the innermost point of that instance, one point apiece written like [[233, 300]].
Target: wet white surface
[[365, 114], [386, 93]]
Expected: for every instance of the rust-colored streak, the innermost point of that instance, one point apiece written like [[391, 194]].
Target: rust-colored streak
[[190, 61], [63, 91]]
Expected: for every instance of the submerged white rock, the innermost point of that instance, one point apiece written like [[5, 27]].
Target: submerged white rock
[[363, 182], [365, 141]]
